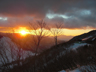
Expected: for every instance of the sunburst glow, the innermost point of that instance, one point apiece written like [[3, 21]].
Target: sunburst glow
[[23, 32]]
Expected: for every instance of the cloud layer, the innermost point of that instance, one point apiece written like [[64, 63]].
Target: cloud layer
[[73, 13]]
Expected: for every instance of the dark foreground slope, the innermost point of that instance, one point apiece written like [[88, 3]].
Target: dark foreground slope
[[79, 51]]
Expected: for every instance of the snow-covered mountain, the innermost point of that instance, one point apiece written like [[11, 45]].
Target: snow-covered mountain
[[69, 55], [10, 52], [78, 52]]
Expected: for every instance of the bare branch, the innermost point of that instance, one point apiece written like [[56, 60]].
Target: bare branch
[[39, 33], [56, 31]]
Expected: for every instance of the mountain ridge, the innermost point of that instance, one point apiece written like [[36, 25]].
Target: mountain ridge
[[67, 55]]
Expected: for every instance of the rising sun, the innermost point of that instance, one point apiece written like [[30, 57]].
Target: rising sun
[[23, 32]]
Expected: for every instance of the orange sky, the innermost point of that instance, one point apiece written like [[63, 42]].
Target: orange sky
[[74, 32], [67, 32]]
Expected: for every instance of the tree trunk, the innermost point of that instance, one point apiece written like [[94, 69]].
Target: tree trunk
[[56, 40]]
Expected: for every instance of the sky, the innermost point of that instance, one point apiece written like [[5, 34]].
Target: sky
[[77, 16]]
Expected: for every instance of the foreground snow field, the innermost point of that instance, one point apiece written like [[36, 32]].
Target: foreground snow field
[[9, 51], [88, 68]]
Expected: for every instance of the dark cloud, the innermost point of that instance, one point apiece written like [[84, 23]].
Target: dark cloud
[[26, 7], [41, 7], [73, 13]]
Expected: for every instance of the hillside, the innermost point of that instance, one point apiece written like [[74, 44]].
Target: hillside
[[27, 42], [10, 52], [78, 52], [84, 36]]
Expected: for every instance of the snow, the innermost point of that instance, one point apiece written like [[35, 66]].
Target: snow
[[62, 71], [91, 68], [9, 51], [93, 38], [87, 38], [72, 47], [76, 70], [88, 68], [76, 45]]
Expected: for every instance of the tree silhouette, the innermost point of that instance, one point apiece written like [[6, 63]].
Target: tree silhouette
[[39, 33], [56, 31]]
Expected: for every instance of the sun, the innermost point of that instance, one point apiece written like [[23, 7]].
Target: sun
[[23, 32]]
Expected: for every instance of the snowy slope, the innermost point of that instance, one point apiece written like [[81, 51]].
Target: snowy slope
[[9, 51], [88, 68], [76, 45], [65, 56]]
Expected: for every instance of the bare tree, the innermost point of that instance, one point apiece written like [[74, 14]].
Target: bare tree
[[39, 33], [56, 31]]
